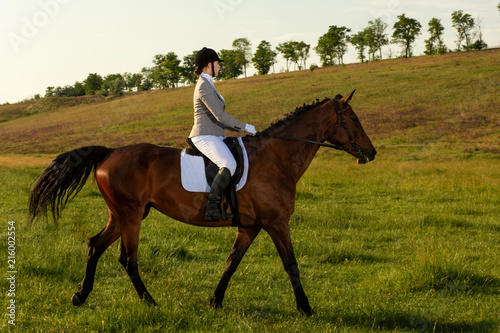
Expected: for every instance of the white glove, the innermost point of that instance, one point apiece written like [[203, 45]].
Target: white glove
[[250, 129]]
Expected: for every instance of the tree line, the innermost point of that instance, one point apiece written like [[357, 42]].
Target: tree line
[[168, 71]]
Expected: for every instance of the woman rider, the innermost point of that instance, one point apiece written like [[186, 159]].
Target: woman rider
[[210, 122]]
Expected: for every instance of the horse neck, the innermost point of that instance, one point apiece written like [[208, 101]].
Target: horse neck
[[296, 156]]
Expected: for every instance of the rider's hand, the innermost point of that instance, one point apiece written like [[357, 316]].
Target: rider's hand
[[250, 129]]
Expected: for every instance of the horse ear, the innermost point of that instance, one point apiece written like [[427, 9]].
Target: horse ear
[[348, 98]]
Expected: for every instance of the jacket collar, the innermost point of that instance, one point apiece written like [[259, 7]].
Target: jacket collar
[[209, 78]]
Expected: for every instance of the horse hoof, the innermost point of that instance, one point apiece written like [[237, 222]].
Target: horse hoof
[[150, 302], [307, 310], [215, 304], [76, 301], [148, 299]]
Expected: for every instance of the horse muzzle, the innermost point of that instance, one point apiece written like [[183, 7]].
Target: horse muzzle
[[365, 155]]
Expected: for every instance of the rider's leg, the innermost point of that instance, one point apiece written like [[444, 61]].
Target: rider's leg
[[216, 150]]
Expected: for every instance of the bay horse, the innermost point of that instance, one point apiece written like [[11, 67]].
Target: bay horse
[[135, 178]]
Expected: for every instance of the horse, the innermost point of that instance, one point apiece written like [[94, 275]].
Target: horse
[[133, 179]]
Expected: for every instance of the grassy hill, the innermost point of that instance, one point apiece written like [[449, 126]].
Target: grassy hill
[[432, 100], [406, 243]]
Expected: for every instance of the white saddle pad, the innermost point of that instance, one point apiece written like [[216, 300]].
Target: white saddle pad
[[193, 172]]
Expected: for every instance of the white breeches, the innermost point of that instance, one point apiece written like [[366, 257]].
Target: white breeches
[[216, 150]]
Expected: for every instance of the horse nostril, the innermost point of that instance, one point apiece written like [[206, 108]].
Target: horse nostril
[[374, 151]]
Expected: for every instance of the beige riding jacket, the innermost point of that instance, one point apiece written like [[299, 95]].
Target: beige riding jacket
[[210, 117]]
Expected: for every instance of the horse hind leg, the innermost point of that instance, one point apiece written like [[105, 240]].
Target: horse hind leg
[[128, 259], [97, 245]]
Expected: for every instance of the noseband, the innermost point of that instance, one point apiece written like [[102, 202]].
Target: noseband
[[354, 147]]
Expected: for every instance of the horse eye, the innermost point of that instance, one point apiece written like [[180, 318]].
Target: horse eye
[[355, 119]]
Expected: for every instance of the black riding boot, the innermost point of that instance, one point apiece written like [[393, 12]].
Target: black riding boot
[[219, 185]]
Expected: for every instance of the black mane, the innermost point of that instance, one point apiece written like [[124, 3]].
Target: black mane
[[298, 111]]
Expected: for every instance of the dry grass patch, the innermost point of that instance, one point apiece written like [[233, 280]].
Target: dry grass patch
[[21, 161]]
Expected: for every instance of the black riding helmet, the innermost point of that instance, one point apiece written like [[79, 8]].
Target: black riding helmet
[[206, 56]]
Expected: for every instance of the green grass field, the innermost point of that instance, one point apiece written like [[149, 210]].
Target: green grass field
[[408, 242]]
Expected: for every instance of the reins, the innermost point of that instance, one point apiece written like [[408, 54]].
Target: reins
[[354, 146], [311, 141]]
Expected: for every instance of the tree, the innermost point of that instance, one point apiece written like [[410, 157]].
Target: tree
[[188, 67], [294, 52], [302, 50], [341, 44], [231, 67], [360, 42], [378, 36], [147, 82], [333, 45], [264, 58], [79, 89], [49, 92], [93, 83], [479, 44], [166, 73], [370, 42], [325, 50], [112, 84], [464, 23], [132, 81], [435, 45], [244, 58], [66, 91], [406, 31], [287, 49], [117, 85]]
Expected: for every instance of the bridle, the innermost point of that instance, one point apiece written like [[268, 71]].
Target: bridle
[[354, 147]]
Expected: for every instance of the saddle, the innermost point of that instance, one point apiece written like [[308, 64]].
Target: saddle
[[211, 169]]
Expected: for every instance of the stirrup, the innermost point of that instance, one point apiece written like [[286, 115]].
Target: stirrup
[[217, 215]]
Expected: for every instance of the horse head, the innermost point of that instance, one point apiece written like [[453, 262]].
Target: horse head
[[348, 132]]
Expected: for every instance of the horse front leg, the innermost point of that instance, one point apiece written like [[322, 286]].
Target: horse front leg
[[243, 240], [280, 234]]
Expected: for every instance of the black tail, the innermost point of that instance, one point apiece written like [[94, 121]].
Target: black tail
[[63, 178]]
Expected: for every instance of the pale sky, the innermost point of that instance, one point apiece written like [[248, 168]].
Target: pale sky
[[57, 42]]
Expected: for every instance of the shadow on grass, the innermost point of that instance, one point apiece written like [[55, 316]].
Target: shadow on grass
[[442, 222], [58, 273], [418, 322], [381, 320], [450, 279]]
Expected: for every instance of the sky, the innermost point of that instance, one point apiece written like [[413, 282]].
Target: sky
[[58, 42]]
